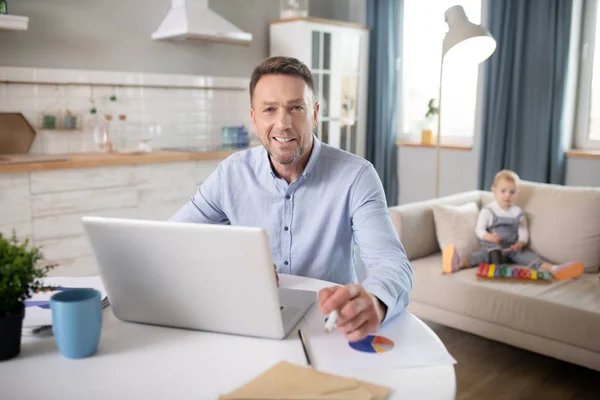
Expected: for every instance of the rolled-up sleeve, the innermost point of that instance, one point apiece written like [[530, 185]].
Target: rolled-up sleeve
[[205, 207], [389, 271]]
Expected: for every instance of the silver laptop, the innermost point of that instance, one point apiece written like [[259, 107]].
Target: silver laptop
[[196, 276]]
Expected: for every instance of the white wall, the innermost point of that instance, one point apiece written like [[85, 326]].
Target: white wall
[[459, 171], [115, 35], [416, 173], [583, 172]]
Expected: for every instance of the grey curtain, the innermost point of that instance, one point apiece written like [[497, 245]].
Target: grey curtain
[[524, 90], [385, 21]]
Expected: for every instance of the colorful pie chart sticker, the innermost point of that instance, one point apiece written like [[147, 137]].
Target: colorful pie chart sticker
[[373, 344]]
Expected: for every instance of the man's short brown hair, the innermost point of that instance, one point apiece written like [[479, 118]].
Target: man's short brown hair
[[281, 66]]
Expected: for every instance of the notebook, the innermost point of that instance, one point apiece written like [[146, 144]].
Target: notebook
[[38, 315]]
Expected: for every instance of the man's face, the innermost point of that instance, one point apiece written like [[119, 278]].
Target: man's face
[[284, 114]]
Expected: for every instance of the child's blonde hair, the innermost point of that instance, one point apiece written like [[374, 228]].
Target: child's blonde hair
[[508, 175]]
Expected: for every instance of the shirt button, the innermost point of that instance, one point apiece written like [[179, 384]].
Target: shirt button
[[286, 228], [286, 263], [287, 197]]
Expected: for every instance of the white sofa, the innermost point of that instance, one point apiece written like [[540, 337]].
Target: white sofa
[[560, 319]]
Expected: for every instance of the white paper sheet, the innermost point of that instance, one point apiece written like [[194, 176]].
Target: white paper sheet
[[413, 347], [36, 311]]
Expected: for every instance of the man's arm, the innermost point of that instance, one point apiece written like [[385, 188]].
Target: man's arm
[[205, 207], [389, 270], [386, 291]]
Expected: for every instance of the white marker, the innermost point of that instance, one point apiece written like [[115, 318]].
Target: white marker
[[331, 320]]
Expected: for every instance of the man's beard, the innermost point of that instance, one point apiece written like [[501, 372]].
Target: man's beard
[[288, 159]]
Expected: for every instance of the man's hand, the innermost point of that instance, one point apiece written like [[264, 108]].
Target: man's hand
[[276, 274], [360, 313], [518, 246]]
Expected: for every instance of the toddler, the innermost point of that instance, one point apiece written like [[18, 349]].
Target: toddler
[[502, 230]]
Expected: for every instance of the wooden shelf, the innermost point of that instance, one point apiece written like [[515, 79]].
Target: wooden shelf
[[13, 22], [90, 160]]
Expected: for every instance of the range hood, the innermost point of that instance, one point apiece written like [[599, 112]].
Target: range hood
[[193, 20]]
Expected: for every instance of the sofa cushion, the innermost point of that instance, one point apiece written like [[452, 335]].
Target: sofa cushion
[[456, 225], [565, 311], [564, 222], [416, 227]]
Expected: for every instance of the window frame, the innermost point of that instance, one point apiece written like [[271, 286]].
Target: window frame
[[584, 80], [468, 141]]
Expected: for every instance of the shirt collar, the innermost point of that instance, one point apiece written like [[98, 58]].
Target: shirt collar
[[312, 161], [314, 156]]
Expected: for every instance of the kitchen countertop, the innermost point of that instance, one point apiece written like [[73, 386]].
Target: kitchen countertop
[[30, 162]]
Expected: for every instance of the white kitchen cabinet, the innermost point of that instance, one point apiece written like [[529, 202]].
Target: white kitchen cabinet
[[47, 206], [337, 54]]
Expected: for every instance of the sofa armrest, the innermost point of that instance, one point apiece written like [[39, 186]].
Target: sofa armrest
[[415, 224]]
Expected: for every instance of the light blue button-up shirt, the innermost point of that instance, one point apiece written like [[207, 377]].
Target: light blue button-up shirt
[[313, 222]]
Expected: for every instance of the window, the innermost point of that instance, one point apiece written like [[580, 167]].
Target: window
[[587, 128], [424, 30]]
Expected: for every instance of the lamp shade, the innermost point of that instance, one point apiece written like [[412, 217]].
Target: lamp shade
[[464, 39]]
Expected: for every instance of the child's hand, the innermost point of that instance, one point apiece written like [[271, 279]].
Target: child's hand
[[492, 237], [517, 246]]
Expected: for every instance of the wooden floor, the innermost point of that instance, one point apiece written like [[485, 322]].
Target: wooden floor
[[491, 370]]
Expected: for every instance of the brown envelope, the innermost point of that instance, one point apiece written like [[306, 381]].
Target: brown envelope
[[286, 381]]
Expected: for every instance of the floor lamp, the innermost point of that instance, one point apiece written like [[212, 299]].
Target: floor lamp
[[464, 42]]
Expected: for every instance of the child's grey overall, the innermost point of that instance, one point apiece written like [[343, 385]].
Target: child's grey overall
[[508, 230]]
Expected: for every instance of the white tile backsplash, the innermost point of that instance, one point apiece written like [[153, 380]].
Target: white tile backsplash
[[55, 142], [38, 145], [20, 104], [18, 74], [78, 91], [190, 112], [20, 90], [51, 91]]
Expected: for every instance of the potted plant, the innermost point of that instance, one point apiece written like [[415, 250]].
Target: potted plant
[[427, 132], [20, 271]]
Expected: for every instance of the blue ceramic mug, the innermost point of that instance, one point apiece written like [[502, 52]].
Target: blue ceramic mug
[[77, 321]]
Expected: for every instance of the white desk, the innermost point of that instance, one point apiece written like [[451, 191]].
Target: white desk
[[137, 361]]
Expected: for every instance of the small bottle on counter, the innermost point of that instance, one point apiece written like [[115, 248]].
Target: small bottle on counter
[[119, 135], [107, 132], [3, 7]]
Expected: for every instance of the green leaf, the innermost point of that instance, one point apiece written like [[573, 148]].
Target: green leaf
[[20, 271]]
